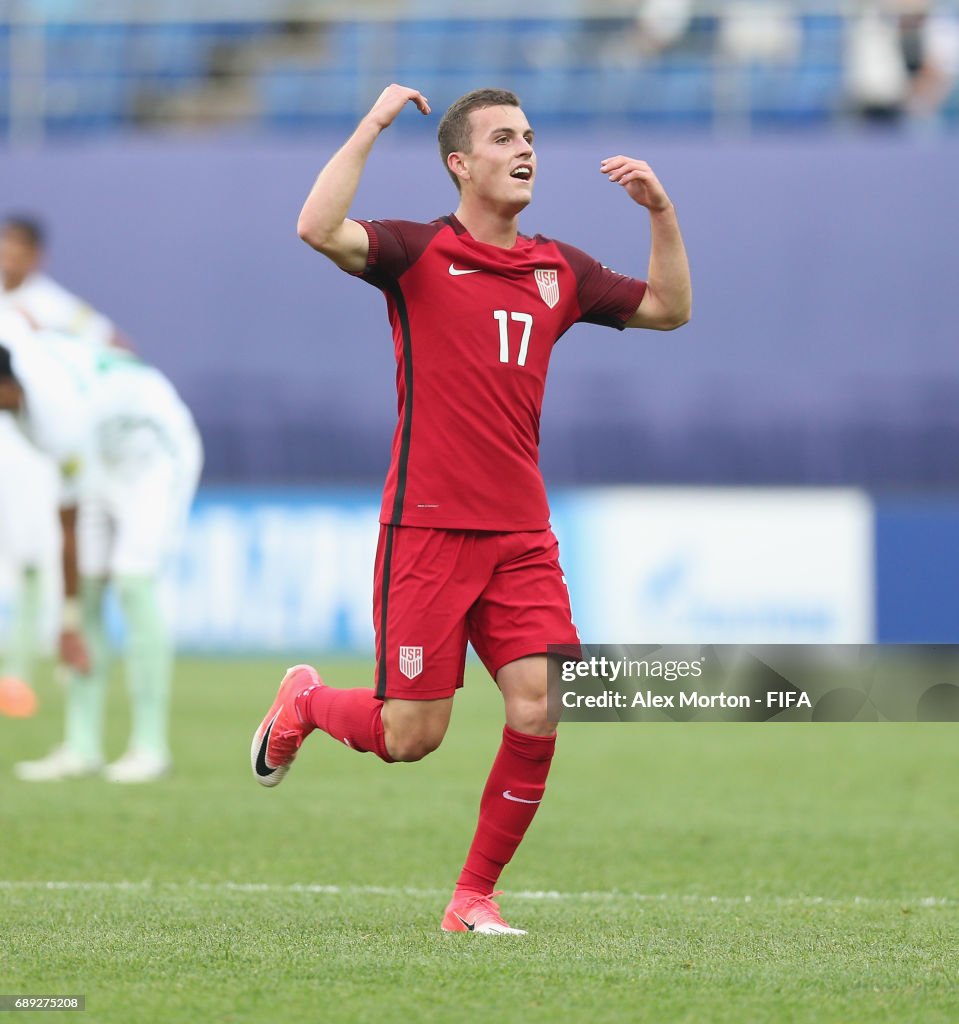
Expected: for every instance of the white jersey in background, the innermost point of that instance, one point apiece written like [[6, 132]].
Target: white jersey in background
[[127, 446], [52, 307], [28, 485], [135, 414], [56, 417]]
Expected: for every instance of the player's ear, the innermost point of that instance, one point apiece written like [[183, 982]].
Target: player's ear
[[457, 164]]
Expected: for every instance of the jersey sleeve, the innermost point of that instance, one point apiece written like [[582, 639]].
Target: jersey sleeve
[[53, 307], [93, 327], [56, 417], [395, 245], [605, 297]]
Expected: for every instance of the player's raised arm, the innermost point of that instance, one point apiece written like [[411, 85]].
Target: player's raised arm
[[323, 220], [667, 303]]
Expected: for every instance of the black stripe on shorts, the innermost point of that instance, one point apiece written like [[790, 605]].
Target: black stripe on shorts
[[384, 605]]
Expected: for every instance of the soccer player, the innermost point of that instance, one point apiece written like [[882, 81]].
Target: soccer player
[[465, 550], [130, 458], [48, 304], [28, 485]]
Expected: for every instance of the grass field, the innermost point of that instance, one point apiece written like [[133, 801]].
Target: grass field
[[676, 873]]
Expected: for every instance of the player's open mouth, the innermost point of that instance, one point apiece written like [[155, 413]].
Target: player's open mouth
[[522, 173]]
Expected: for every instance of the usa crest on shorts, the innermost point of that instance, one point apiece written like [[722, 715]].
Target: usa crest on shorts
[[411, 661], [548, 283]]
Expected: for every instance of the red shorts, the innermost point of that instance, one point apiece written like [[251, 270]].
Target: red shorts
[[435, 589]]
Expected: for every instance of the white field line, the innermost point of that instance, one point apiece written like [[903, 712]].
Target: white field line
[[549, 895]]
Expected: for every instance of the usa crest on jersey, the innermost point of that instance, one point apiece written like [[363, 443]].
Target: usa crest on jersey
[[548, 283], [411, 661]]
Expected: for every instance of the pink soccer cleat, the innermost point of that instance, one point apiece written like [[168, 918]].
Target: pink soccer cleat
[[281, 733], [470, 912], [16, 698]]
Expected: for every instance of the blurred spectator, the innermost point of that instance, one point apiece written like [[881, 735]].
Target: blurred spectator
[[760, 33], [930, 47], [902, 57], [657, 26], [876, 79], [661, 24]]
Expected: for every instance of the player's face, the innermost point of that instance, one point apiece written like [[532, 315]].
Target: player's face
[[18, 258], [501, 161]]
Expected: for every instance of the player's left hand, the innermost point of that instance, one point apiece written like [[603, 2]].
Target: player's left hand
[[637, 177], [73, 651]]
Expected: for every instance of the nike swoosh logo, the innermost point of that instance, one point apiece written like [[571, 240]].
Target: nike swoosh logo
[[457, 273], [262, 768], [519, 799], [469, 927]]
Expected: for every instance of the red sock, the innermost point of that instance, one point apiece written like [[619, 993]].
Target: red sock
[[354, 717], [512, 795]]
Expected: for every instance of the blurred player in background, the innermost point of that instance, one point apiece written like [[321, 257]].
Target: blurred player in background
[[466, 551], [28, 483], [130, 459], [46, 303]]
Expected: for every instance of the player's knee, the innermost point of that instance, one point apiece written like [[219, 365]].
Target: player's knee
[[531, 716], [414, 729], [412, 746]]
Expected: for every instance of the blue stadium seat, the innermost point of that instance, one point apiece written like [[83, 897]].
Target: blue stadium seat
[[171, 49], [355, 45], [76, 104], [86, 48], [349, 44], [292, 95], [477, 46], [951, 106], [546, 92], [619, 90], [668, 90], [419, 47], [688, 91], [822, 39], [794, 95]]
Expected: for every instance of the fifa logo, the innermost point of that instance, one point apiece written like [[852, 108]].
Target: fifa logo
[[411, 661]]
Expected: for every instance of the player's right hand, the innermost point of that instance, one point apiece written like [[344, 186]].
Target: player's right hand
[[73, 651], [391, 101]]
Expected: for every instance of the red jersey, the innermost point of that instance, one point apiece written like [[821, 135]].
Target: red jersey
[[474, 326]]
